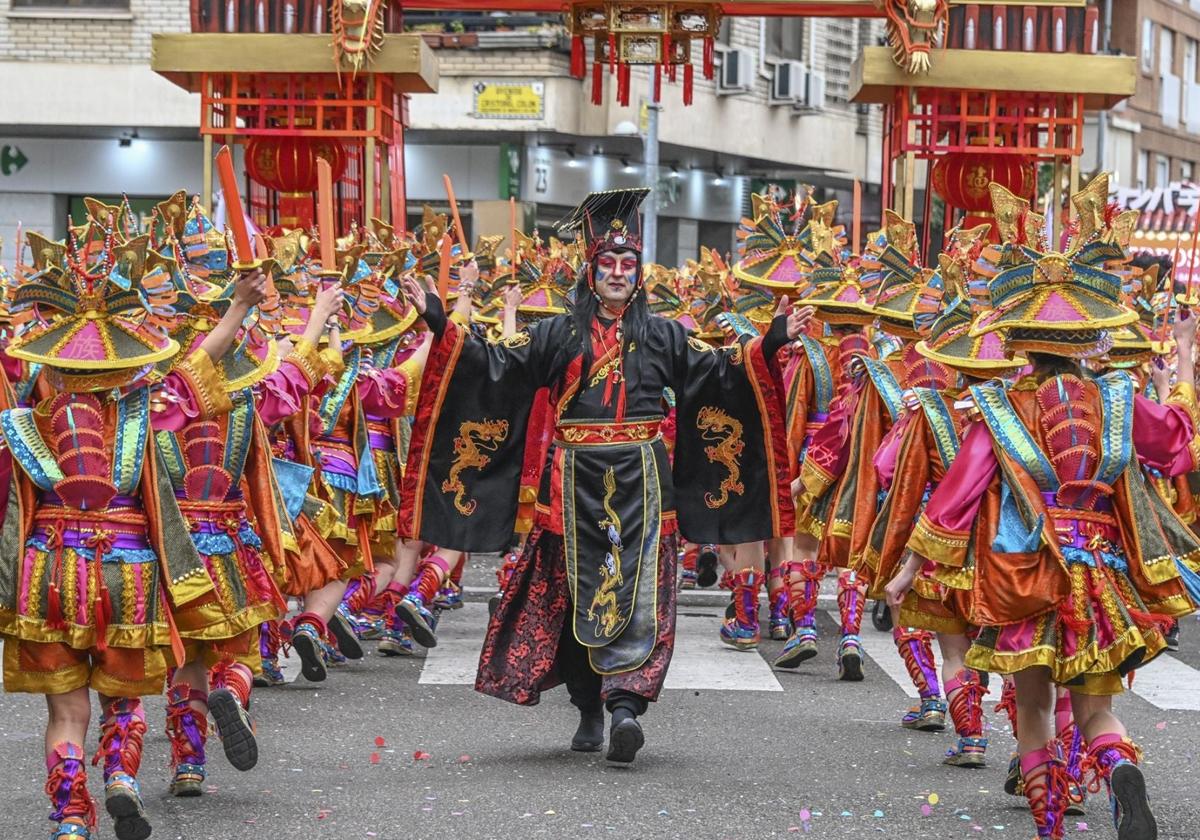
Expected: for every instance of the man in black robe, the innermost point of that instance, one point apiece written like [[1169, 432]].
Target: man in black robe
[[592, 601]]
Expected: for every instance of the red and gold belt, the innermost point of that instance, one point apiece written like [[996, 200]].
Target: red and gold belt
[[606, 434]]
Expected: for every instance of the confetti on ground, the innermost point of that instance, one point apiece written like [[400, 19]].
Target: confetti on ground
[[934, 799], [548, 813], [421, 756], [376, 758], [323, 813], [1161, 725], [1081, 826], [878, 814], [926, 810], [380, 742], [805, 815], [464, 758], [847, 814]]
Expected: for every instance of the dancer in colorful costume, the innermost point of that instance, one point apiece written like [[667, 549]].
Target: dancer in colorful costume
[[839, 487], [591, 602], [911, 465], [106, 556], [1044, 530], [333, 437], [221, 471]]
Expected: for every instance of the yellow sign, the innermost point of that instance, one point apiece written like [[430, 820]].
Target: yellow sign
[[505, 100]]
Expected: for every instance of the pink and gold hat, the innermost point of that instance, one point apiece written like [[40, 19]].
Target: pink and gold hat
[[101, 307]]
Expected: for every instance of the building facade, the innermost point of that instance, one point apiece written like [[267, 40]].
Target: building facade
[[1153, 138], [83, 114]]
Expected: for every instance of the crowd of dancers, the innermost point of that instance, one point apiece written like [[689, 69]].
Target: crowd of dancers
[[218, 454]]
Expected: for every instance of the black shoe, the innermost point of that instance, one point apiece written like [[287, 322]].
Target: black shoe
[[124, 805], [589, 737], [312, 663], [1014, 785], [881, 617], [347, 643], [706, 566], [1172, 636], [1134, 819], [624, 740], [234, 728]]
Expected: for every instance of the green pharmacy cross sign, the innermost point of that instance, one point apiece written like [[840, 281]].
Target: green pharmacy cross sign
[[12, 160]]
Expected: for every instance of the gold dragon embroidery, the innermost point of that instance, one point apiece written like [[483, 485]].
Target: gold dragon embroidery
[[605, 598], [473, 441], [726, 432]]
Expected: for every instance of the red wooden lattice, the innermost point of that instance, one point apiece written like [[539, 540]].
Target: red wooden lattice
[[1040, 125], [241, 106], [246, 105]]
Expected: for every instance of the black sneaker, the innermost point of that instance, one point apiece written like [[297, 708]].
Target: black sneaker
[[234, 728], [1172, 636], [347, 643], [1134, 819]]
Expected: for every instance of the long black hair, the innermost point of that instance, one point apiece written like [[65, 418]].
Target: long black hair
[[585, 307]]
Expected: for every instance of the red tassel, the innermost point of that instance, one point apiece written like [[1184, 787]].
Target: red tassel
[[101, 605], [709, 63], [578, 70], [54, 613], [666, 47], [671, 74], [623, 84], [612, 53], [657, 83], [688, 73], [597, 82]]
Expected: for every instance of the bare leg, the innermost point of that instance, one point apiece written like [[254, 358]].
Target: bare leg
[[1035, 709], [68, 718], [1094, 716]]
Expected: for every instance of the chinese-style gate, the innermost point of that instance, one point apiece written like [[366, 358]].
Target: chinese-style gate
[[978, 91]]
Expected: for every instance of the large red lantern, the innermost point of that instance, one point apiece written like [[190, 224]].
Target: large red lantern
[[961, 179], [288, 165]]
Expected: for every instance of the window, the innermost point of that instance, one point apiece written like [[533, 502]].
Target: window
[[785, 37], [1166, 52], [1162, 171], [71, 5], [1147, 45], [1189, 62], [1143, 170], [1185, 170]]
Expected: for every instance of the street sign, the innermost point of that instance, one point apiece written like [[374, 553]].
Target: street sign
[[509, 100], [12, 160]]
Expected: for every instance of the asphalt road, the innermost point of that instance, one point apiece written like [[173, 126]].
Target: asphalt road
[[812, 756]]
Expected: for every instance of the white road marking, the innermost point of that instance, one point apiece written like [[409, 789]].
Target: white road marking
[[700, 660], [881, 649], [290, 666], [1168, 684], [459, 640]]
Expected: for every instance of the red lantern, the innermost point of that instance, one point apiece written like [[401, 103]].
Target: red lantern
[[961, 179], [288, 165]]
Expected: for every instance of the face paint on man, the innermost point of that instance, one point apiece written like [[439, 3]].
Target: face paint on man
[[616, 278]]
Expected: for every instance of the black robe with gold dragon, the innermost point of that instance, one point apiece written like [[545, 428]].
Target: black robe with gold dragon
[[610, 500]]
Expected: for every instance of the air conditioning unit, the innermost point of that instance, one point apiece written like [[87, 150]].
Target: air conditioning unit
[[814, 93], [737, 71], [788, 82]]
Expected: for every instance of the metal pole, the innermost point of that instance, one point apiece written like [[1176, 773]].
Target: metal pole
[[1102, 115], [650, 232]]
